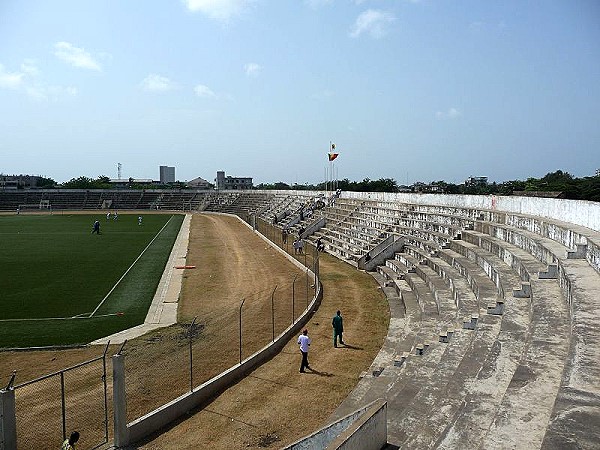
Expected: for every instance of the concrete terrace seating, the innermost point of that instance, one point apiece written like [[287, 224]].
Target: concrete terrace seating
[[103, 199], [509, 263]]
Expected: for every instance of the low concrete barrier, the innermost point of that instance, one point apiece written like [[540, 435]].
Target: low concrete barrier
[[364, 429]]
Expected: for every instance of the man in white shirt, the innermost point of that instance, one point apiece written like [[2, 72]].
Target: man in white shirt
[[304, 342]]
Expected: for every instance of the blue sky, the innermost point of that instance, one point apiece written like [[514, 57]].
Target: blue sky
[[412, 90]]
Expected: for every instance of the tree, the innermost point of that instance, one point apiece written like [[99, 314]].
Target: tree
[[78, 183], [45, 183]]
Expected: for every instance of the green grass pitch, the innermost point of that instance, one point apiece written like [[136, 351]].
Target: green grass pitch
[[54, 273]]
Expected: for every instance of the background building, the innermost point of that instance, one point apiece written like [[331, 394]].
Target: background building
[[476, 181], [167, 174], [199, 183], [235, 183], [18, 181]]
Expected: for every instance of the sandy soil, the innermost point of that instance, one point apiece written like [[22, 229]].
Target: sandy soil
[[275, 405]]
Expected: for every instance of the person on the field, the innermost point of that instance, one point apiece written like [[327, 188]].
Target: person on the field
[[115, 215], [108, 215], [96, 227], [304, 342], [69, 444], [139, 220], [338, 328]]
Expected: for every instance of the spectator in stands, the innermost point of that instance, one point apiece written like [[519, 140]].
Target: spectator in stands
[[139, 220], [320, 245], [69, 444], [300, 231], [96, 227], [304, 342], [338, 328]]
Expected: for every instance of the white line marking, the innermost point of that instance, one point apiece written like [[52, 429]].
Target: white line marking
[[41, 319], [130, 267]]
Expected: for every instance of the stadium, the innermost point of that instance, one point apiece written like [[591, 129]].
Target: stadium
[[470, 321]]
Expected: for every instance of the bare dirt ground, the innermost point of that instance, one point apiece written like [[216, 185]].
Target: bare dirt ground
[[276, 404]]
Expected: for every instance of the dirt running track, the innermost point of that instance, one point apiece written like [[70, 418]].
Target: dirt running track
[[276, 404]]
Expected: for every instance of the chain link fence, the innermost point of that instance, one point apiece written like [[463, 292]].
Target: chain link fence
[[253, 324], [49, 408]]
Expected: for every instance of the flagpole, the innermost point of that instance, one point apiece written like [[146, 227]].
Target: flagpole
[[330, 165]]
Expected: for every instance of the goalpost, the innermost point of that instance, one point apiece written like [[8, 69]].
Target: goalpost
[[43, 207]]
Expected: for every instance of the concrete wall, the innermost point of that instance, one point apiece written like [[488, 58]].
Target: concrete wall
[[364, 429], [580, 212], [202, 394], [8, 420]]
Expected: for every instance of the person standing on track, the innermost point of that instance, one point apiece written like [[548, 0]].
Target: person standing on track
[[304, 342], [338, 328]]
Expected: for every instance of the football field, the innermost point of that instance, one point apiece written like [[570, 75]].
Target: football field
[[60, 284]]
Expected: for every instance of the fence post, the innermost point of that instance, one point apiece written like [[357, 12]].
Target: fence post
[[63, 404], [119, 401], [242, 304], [104, 381], [304, 253], [293, 298], [307, 288], [273, 311], [190, 332], [8, 418]]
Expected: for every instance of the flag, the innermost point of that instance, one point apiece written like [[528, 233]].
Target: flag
[[332, 156]]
